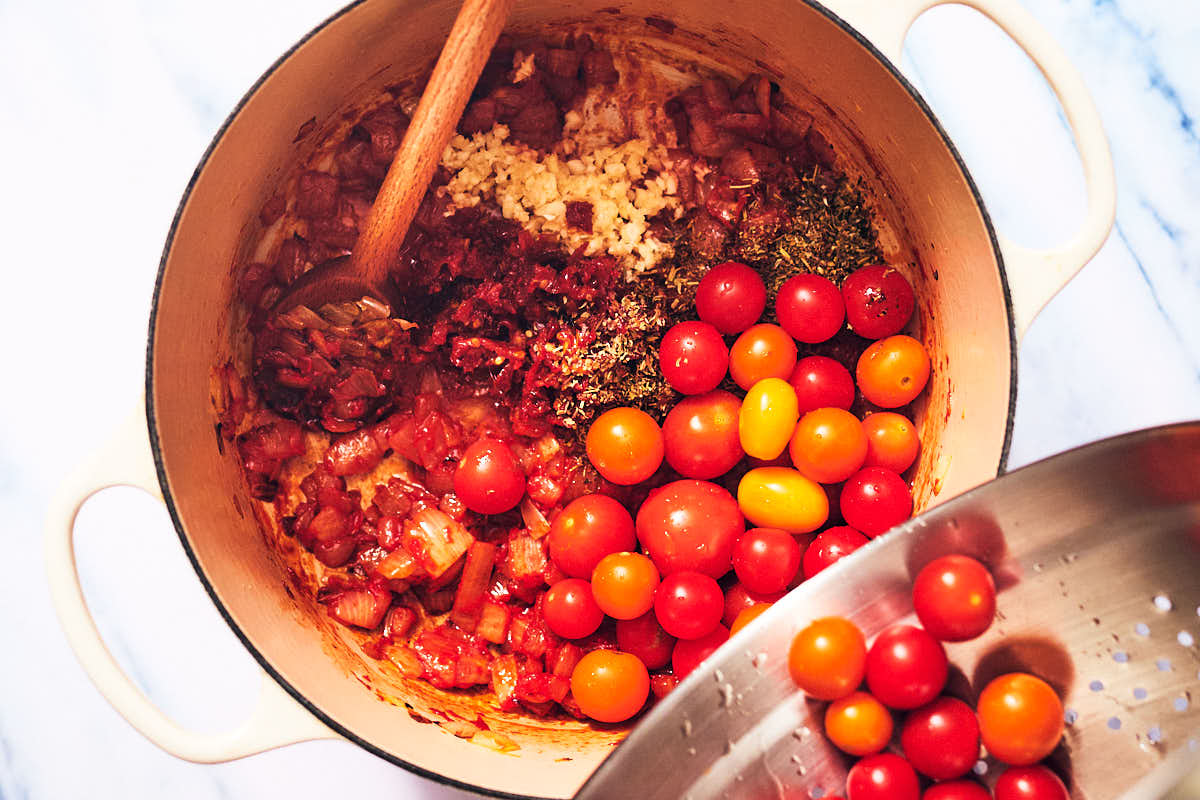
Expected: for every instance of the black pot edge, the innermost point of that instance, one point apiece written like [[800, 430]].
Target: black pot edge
[[298, 696]]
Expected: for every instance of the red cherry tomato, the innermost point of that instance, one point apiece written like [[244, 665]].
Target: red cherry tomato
[[610, 686], [624, 585], [827, 658], [858, 724], [762, 351], [906, 668], [625, 445], [689, 653], [1020, 718], [766, 559], [956, 790], [828, 445], [489, 479], [810, 308], [700, 435], [587, 530], [822, 382], [879, 301], [731, 297], [690, 525], [570, 610], [693, 357], [941, 739], [892, 441], [689, 605], [644, 637], [884, 776], [874, 499], [738, 598], [1036, 782], [830, 546], [955, 598]]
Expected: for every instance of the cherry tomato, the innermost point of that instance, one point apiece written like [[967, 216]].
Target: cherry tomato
[[822, 382], [762, 351], [1036, 782], [941, 739], [893, 371], [700, 435], [587, 530], [570, 610], [829, 445], [693, 357], [892, 441], [625, 445], [767, 418], [883, 776], [610, 686], [874, 499], [810, 308], [766, 559], [858, 724], [731, 297], [689, 653], [1020, 718], [778, 497], [906, 667], [956, 790], [738, 598], [747, 616], [690, 525], [645, 638], [827, 658], [879, 301], [830, 546], [689, 605], [955, 598], [489, 479], [624, 585]]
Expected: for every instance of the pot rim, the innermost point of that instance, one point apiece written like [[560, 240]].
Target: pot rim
[[155, 447]]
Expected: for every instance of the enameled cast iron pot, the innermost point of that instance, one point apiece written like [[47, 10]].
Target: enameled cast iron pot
[[977, 294]]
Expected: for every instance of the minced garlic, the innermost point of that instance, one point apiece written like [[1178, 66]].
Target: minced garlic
[[625, 184]]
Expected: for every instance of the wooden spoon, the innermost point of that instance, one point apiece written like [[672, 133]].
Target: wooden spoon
[[366, 272]]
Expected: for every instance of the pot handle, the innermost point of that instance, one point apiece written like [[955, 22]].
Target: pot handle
[[276, 720], [1034, 276]]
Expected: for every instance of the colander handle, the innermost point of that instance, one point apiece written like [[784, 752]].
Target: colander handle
[[276, 720], [1035, 276]]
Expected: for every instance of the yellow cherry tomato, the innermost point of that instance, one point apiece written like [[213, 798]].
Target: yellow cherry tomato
[[779, 497], [768, 417]]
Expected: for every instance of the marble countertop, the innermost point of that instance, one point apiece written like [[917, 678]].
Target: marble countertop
[[107, 108]]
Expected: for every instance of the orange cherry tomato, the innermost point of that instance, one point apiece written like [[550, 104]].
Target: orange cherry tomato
[[624, 585], [610, 686], [829, 445], [747, 615], [778, 497], [892, 441], [858, 724], [1020, 718], [767, 418], [625, 444], [762, 351], [893, 371], [828, 658]]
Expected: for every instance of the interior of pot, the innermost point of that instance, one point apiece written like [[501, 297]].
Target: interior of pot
[[931, 226]]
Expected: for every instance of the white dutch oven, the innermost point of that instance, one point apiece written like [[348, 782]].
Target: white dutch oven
[[978, 293]]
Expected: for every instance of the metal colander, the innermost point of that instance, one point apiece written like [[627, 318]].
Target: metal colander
[[1096, 555]]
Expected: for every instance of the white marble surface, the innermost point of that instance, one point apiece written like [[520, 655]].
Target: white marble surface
[[106, 108]]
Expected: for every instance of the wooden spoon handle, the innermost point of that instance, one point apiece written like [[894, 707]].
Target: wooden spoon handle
[[467, 49]]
